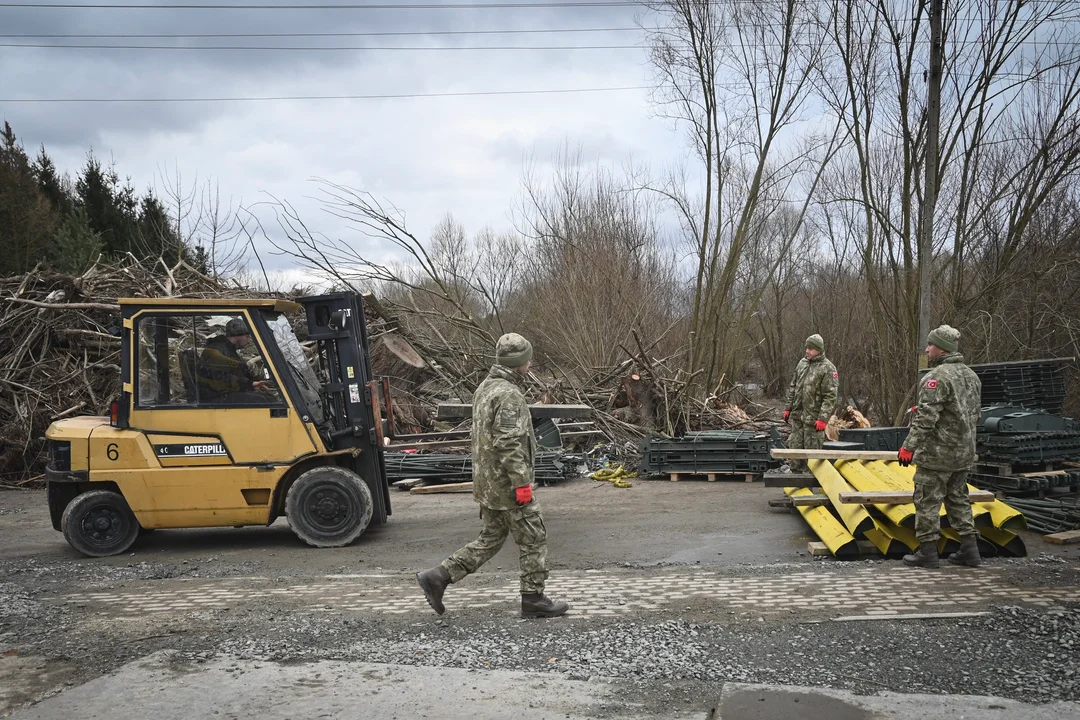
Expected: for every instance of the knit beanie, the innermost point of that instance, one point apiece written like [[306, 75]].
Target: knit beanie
[[512, 350], [817, 342], [236, 327], [945, 337]]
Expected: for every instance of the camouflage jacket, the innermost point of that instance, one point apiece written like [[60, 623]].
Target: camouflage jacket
[[942, 433], [503, 445], [812, 393], [222, 370]]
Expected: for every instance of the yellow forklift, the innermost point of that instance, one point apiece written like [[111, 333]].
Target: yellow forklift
[[224, 420]]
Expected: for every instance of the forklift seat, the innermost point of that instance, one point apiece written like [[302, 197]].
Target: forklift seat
[[188, 373]]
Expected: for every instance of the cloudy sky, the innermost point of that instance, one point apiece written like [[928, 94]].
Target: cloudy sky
[[426, 155]]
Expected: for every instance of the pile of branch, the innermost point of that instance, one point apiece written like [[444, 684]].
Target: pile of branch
[[58, 357], [648, 395], [849, 417]]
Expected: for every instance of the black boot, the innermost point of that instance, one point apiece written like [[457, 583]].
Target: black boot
[[433, 582], [926, 556], [541, 606], [968, 553]]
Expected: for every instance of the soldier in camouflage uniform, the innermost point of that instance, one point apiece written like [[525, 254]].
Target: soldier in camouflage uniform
[[941, 443], [224, 376], [811, 398], [503, 447]]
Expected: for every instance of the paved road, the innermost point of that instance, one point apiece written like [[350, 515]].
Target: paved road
[[689, 600]]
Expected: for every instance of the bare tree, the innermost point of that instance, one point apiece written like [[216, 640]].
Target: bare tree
[[739, 77], [220, 233]]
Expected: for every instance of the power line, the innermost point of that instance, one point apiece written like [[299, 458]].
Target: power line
[[298, 48], [401, 96], [761, 46], [318, 34], [359, 6]]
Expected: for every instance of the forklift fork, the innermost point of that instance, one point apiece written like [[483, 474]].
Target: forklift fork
[[379, 391]]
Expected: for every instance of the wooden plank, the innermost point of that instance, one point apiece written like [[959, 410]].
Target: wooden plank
[[818, 549], [447, 411], [447, 488], [901, 497], [408, 483], [1063, 538], [782, 480], [1045, 473], [809, 500], [867, 548], [784, 502], [801, 454]]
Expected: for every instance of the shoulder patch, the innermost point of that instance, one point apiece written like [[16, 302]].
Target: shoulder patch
[[931, 384], [507, 418], [835, 374]]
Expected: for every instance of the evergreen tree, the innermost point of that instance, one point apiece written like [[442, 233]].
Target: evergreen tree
[[76, 245], [27, 223], [52, 185], [109, 206]]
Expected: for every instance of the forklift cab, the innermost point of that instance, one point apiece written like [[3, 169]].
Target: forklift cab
[[226, 419]]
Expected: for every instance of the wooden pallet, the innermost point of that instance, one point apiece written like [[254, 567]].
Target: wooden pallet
[[713, 476]]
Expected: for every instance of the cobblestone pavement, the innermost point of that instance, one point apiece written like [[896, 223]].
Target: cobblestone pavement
[[870, 590]]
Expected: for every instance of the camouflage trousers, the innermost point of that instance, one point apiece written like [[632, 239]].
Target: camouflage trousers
[[932, 487], [526, 524], [805, 437]]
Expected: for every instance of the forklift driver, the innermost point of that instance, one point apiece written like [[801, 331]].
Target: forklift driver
[[224, 376]]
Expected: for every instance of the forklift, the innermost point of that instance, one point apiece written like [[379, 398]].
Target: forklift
[[202, 436]]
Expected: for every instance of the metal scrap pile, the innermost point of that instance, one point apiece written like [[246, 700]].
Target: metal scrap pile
[[1049, 515]]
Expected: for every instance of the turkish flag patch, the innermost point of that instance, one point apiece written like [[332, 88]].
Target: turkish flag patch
[[931, 384], [835, 374]]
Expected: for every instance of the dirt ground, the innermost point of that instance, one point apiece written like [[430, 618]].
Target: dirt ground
[[676, 588]]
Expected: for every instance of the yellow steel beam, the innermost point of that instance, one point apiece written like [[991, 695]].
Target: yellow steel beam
[[862, 476], [840, 542], [891, 476], [892, 540], [1003, 516], [855, 517], [979, 514], [1009, 544]]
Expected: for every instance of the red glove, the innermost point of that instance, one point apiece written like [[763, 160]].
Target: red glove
[[523, 495], [787, 413], [819, 425], [905, 456]]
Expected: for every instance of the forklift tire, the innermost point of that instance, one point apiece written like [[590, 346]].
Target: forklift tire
[[99, 523], [329, 506]]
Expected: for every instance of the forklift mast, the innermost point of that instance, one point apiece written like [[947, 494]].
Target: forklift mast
[[350, 395]]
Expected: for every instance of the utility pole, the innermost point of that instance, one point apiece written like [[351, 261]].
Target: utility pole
[[926, 221]]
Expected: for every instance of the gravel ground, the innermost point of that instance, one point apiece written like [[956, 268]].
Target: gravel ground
[[1015, 652]]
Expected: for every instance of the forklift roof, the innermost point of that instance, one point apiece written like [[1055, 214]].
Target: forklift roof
[[284, 306]]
